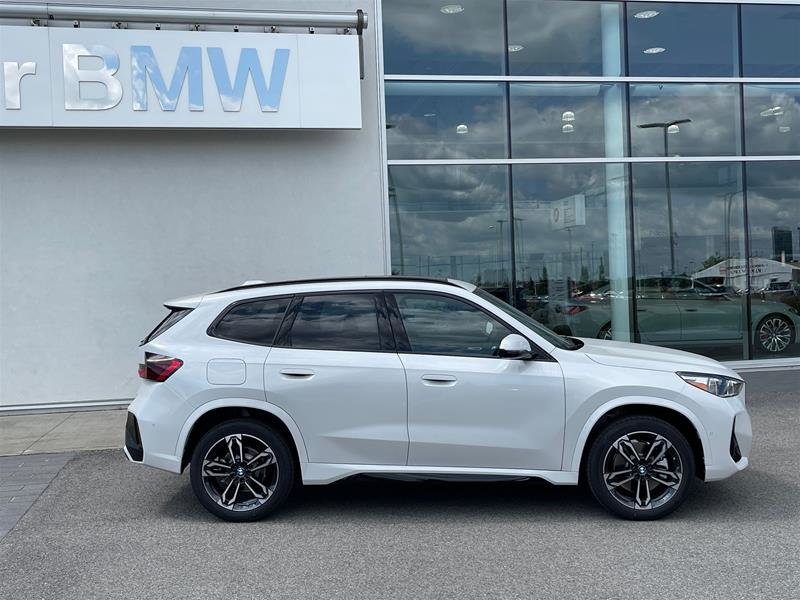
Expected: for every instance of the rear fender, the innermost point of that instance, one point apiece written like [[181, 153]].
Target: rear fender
[[281, 414]]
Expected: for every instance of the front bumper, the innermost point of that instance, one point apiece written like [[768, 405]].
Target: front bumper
[[731, 442]]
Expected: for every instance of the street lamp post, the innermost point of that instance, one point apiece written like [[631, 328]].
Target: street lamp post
[[666, 129]]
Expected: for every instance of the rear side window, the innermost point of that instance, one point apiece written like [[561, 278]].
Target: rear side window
[[336, 322], [254, 322], [175, 315]]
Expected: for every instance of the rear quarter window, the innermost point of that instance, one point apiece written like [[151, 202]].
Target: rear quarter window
[[251, 322], [175, 315]]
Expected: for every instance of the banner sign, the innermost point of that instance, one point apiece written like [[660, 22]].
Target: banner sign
[[568, 212], [80, 77]]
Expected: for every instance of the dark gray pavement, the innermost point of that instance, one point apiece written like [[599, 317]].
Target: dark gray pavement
[[22, 480], [108, 529]]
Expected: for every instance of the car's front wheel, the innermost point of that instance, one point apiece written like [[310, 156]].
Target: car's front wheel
[[242, 470], [640, 467]]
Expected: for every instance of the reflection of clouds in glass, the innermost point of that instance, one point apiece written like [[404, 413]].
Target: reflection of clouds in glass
[[419, 38], [772, 119], [426, 124], [713, 109], [773, 201], [448, 216], [538, 189], [566, 39], [702, 197], [699, 39], [539, 111]]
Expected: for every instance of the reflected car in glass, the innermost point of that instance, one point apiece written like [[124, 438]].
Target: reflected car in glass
[[262, 386], [681, 311]]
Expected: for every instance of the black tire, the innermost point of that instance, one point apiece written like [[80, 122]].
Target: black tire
[[263, 488], [774, 334], [628, 497]]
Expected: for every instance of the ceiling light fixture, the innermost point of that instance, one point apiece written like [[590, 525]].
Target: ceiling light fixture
[[568, 128], [784, 129], [568, 116], [515, 47], [451, 9], [462, 129], [775, 111], [654, 50], [429, 115], [646, 14]]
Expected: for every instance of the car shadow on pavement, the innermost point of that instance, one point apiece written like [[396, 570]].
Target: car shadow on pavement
[[753, 495]]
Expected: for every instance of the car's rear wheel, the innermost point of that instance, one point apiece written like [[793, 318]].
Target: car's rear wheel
[[242, 470], [640, 468], [774, 334]]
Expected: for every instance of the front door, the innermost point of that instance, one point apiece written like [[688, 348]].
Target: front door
[[466, 406], [657, 314], [335, 371], [706, 314]]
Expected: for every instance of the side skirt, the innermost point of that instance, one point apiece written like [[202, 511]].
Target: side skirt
[[323, 473]]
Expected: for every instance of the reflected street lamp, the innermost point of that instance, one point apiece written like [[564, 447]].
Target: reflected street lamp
[[667, 127]]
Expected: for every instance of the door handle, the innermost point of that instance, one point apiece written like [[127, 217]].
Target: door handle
[[297, 373], [438, 379]]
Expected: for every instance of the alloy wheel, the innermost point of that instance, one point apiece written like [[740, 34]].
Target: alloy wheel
[[240, 472], [642, 470], [775, 334]]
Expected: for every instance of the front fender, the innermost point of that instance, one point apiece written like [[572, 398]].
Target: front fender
[[276, 411], [603, 409]]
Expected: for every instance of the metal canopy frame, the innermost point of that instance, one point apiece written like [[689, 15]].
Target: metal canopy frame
[[76, 12]]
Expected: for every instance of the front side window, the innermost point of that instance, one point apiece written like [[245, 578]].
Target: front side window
[[441, 325], [336, 322], [252, 322]]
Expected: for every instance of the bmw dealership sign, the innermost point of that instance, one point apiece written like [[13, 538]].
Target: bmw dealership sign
[[65, 77]]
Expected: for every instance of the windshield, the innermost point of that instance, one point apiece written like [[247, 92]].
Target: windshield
[[559, 341]]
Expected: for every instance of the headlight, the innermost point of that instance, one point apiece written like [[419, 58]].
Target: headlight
[[724, 387]]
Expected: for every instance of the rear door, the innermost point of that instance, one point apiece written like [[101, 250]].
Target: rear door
[[334, 369]]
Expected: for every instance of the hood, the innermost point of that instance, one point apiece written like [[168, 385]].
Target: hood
[[654, 358]]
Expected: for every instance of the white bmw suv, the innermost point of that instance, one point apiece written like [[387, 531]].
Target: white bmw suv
[[265, 385]]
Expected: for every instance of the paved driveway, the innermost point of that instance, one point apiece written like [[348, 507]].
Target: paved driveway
[[108, 529]]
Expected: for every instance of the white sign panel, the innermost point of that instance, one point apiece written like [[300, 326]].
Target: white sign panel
[[72, 77], [568, 212]]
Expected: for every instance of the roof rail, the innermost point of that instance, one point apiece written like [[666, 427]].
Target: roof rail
[[248, 286]]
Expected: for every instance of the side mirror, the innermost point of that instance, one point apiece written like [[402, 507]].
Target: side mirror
[[515, 347]]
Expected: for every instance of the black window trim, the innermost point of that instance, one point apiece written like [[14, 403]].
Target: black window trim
[[404, 345], [386, 340], [210, 331]]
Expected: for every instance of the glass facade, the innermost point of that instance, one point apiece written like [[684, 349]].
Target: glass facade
[[613, 169]]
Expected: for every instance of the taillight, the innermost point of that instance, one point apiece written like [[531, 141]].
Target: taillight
[[157, 367], [575, 309]]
